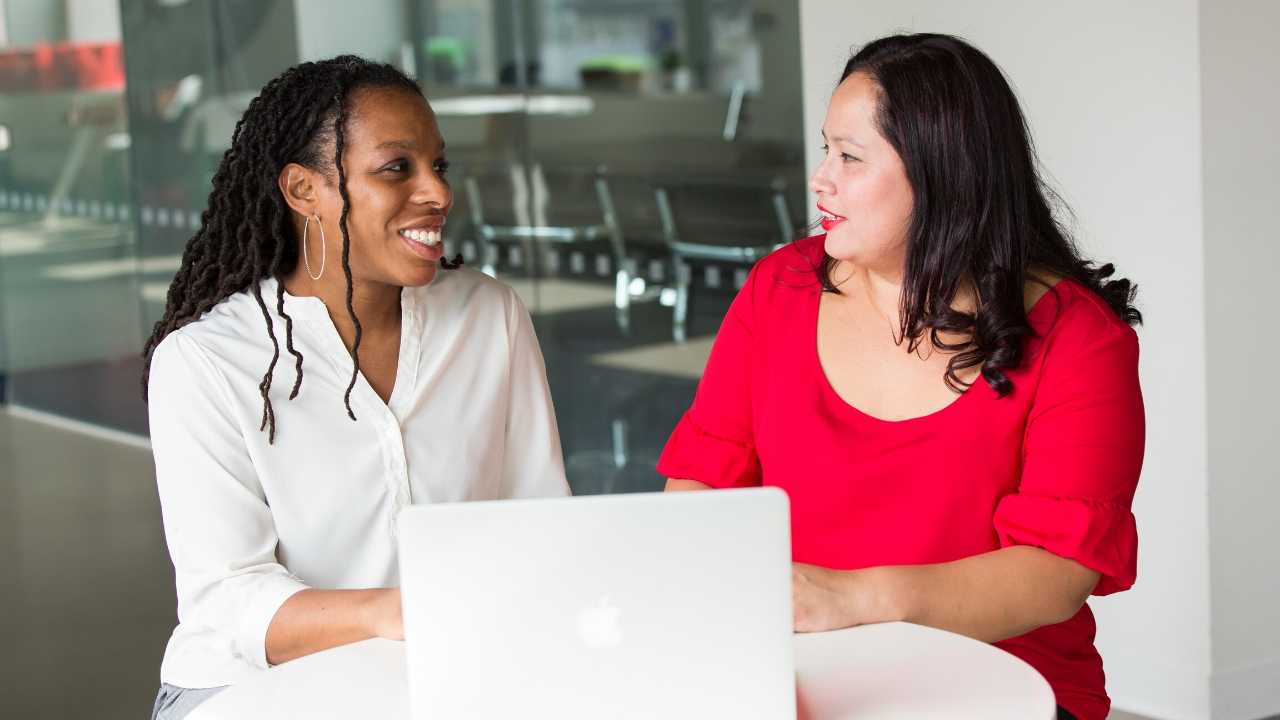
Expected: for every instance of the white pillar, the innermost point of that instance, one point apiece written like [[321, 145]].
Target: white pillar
[[1240, 74]]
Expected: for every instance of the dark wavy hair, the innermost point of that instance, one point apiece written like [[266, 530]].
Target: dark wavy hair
[[982, 213], [246, 232]]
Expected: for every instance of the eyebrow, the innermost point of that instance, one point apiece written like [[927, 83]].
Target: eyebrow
[[403, 145], [843, 139]]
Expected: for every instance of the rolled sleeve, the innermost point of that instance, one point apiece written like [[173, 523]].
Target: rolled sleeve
[[714, 443], [1099, 535], [1082, 455], [218, 525], [693, 453]]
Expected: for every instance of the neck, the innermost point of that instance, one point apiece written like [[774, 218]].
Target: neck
[[377, 305], [883, 290]]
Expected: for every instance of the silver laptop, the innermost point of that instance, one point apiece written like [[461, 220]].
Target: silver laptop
[[655, 605]]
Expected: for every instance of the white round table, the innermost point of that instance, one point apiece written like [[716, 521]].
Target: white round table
[[873, 672]]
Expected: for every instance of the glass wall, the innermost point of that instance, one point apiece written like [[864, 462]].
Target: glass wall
[[70, 315], [621, 163]]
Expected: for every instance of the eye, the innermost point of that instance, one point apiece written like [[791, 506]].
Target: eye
[[397, 166], [441, 167], [844, 157]]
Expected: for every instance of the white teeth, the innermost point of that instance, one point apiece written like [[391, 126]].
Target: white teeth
[[422, 237]]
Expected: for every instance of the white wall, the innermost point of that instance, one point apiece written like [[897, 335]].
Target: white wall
[[1112, 93], [1240, 59]]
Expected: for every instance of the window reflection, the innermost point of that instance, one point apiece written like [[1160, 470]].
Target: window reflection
[[620, 162]]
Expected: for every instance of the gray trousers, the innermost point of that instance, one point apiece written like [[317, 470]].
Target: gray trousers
[[173, 703]]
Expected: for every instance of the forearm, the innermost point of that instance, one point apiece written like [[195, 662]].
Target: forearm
[[314, 620], [990, 597], [675, 485]]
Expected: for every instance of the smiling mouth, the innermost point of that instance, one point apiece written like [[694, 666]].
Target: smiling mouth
[[422, 236], [829, 219]]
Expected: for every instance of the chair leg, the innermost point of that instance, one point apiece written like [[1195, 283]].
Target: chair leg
[[681, 313], [486, 253], [622, 299], [619, 427]]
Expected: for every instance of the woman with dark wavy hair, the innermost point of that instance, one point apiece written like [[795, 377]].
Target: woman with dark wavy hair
[[946, 389]]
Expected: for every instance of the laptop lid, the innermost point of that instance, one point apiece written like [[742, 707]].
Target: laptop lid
[[655, 605]]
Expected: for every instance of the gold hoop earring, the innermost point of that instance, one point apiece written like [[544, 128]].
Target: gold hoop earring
[[324, 251]]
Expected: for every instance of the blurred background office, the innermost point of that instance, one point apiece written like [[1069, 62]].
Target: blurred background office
[[622, 163]]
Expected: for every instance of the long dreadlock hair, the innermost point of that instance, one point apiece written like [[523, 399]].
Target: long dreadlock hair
[[245, 233]]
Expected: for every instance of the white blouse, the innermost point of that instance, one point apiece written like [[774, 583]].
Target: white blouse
[[249, 524]]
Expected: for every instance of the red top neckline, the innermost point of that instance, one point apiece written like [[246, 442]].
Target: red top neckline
[[1035, 316]]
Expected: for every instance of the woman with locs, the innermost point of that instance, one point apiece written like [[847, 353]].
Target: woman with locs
[[318, 367]]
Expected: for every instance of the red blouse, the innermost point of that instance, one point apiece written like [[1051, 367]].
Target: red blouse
[[1054, 464]]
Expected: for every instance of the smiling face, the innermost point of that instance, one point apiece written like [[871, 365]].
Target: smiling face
[[861, 185], [394, 160]]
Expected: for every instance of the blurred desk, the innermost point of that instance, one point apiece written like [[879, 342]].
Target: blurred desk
[[892, 671]]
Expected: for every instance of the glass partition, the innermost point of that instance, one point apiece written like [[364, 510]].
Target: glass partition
[[621, 163], [68, 249]]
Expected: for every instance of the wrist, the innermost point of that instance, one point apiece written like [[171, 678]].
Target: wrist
[[880, 594], [375, 609]]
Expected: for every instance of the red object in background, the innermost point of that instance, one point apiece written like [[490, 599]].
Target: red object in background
[[62, 66]]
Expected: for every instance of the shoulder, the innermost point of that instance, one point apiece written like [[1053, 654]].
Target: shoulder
[[228, 345], [794, 265], [792, 268], [468, 290], [1071, 319], [472, 302], [234, 317], [777, 285], [182, 362]]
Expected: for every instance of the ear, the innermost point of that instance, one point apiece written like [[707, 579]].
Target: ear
[[298, 185]]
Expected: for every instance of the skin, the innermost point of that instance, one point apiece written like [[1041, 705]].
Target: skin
[[394, 162], [993, 596]]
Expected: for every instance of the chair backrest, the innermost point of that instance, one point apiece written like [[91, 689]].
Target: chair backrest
[[568, 196], [545, 203], [516, 196], [635, 212], [497, 195], [721, 216]]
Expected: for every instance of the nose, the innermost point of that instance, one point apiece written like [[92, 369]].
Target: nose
[[432, 189], [820, 182]]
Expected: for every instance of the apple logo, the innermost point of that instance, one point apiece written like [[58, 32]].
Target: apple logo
[[599, 625]]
